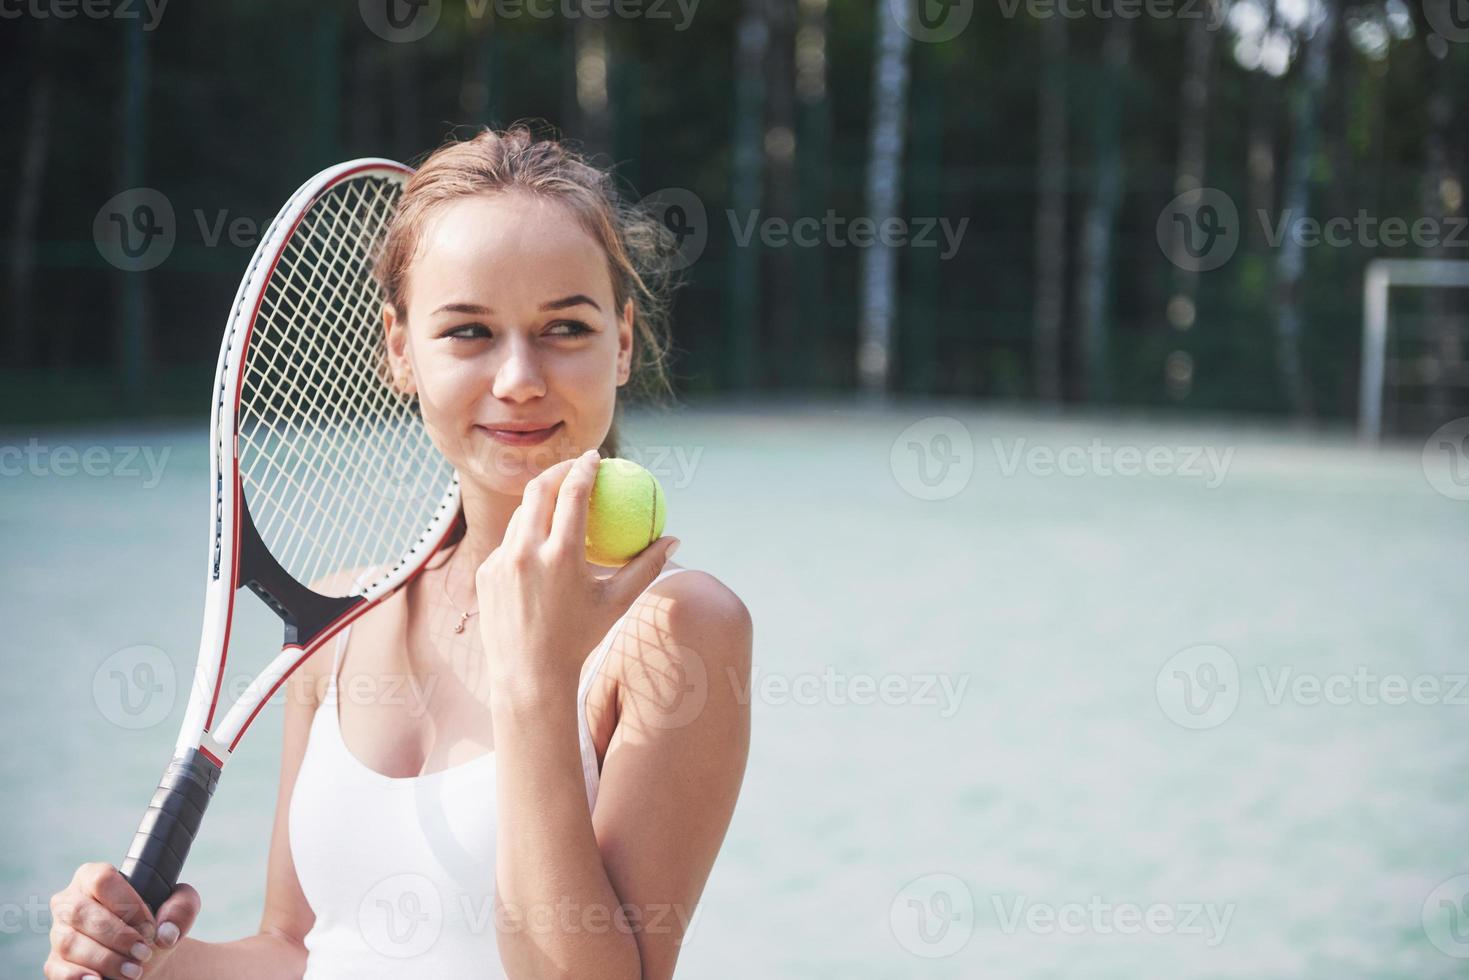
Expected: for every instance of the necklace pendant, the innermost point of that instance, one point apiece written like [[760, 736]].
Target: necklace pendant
[[459, 628]]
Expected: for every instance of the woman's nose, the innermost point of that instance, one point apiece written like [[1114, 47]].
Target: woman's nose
[[519, 375]]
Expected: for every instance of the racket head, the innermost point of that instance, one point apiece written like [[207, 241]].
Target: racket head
[[337, 468], [327, 493]]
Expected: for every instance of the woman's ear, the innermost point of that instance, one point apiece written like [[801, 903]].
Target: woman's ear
[[624, 342], [400, 365]]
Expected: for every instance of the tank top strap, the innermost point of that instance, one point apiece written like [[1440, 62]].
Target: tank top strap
[[339, 646]]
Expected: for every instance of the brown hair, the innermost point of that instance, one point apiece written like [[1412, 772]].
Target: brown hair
[[637, 244]]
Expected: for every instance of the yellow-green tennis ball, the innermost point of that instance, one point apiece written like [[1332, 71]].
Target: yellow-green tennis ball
[[626, 512]]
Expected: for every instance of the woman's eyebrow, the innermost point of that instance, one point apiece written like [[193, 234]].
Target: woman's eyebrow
[[565, 302], [574, 300], [473, 308]]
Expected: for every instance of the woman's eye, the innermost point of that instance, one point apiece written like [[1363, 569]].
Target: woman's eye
[[469, 331], [478, 331]]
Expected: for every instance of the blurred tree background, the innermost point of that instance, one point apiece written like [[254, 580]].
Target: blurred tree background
[[1060, 140]]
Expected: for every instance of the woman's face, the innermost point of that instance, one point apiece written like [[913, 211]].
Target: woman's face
[[510, 324]]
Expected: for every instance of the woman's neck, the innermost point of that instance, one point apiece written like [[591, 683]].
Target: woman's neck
[[486, 516]]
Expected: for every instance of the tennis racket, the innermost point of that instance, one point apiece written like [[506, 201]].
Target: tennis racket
[[326, 493]]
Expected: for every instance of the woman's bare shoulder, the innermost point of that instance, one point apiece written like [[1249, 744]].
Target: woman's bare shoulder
[[692, 612], [696, 598]]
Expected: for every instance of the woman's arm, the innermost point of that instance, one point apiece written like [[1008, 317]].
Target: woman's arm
[[262, 955], [277, 952], [672, 773]]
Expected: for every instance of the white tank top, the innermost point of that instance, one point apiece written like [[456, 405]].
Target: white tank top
[[400, 872]]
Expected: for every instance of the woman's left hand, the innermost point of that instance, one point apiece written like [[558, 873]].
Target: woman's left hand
[[541, 610]]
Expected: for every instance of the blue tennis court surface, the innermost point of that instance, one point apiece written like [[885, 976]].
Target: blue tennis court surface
[[1069, 699]]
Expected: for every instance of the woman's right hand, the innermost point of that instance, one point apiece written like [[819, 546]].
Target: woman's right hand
[[100, 927]]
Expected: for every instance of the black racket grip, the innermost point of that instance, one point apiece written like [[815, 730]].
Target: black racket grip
[[162, 842]]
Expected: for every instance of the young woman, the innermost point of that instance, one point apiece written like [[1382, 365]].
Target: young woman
[[522, 765]]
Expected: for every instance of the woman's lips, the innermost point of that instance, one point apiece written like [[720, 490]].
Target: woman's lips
[[511, 437]]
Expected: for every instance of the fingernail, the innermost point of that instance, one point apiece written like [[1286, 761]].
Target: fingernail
[[168, 934], [141, 952], [671, 549], [131, 970]]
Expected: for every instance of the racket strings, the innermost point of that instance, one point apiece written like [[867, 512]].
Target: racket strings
[[338, 469], [315, 349], [322, 250], [326, 388], [358, 379], [404, 443]]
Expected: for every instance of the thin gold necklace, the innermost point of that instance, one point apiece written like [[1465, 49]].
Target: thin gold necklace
[[463, 616]]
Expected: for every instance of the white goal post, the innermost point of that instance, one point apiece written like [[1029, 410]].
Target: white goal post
[[1382, 275]]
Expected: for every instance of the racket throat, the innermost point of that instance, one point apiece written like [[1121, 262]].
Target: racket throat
[[305, 613]]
